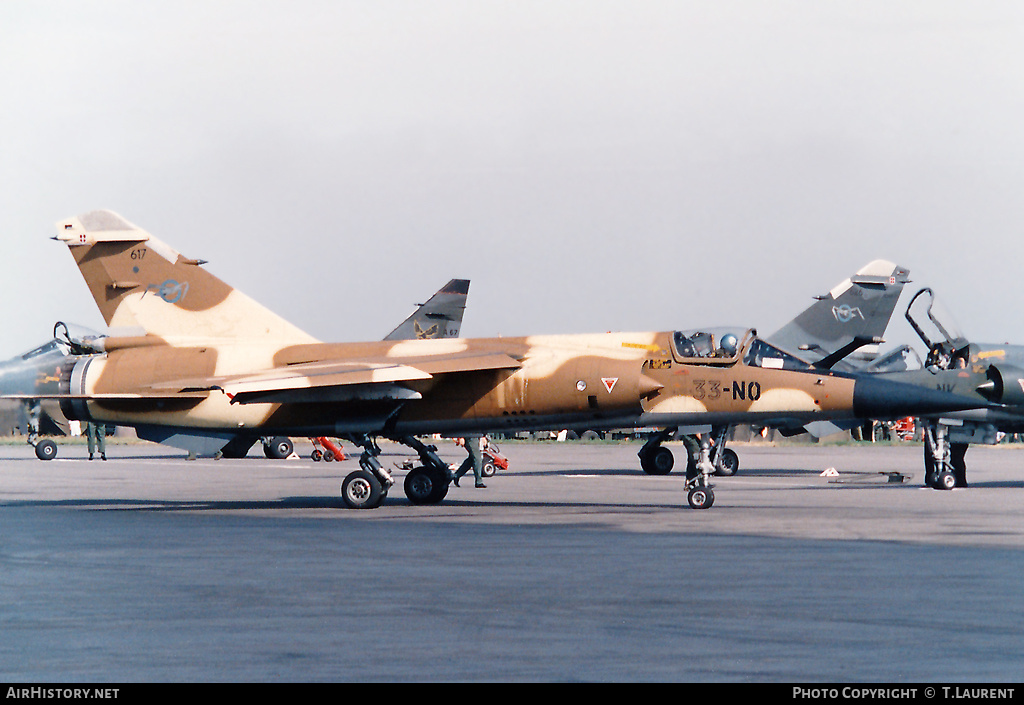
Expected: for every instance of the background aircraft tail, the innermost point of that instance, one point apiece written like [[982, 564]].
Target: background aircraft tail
[[140, 282], [439, 317], [857, 309]]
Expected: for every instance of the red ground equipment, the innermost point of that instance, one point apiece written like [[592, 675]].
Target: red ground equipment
[[904, 429], [493, 460], [326, 450]]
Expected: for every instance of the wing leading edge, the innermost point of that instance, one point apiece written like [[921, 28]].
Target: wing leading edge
[[329, 381]]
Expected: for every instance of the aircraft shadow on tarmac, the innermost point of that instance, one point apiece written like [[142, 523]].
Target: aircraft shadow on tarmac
[[147, 505], [183, 505], [570, 471]]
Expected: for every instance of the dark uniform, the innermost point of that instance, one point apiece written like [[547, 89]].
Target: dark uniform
[[97, 439], [475, 460]]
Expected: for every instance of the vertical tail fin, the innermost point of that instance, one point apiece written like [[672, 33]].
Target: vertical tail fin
[[439, 317], [858, 308], [140, 282]]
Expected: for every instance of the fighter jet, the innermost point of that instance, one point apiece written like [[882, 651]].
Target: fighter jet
[[208, 364], [840, 323], [948, 436], [29, 377]]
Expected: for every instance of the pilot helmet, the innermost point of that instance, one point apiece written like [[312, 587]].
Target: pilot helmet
[[729, 344], [685, 346]]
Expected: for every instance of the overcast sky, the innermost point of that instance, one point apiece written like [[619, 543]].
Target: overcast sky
[[590, 165]]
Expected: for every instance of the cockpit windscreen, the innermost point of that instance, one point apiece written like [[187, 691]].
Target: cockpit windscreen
[[762, 354]]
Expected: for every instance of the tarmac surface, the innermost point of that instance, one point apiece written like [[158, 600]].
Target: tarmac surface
[[572, 565]]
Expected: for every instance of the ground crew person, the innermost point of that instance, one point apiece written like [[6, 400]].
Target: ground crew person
[[474, 446], [97, 438]]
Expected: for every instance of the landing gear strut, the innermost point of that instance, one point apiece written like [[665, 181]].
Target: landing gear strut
[[700, 494], [428, 482], [939, 470], [704, 458], [367, 487]]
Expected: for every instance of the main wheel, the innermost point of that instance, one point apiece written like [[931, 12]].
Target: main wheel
[[946, 481], [362, 490], [46, 450], [701, 498], [279, 448], [728, 463], [658, 461], [425, 486]]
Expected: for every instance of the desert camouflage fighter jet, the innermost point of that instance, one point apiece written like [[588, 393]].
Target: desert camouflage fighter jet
[[208, 364]]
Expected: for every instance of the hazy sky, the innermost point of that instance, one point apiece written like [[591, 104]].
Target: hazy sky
[[590, 165]]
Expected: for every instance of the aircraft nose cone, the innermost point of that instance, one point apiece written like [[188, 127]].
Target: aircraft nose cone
[[883, 398]]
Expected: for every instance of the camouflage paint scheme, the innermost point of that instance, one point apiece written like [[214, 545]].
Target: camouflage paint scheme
[[201, 359], [35, 375]]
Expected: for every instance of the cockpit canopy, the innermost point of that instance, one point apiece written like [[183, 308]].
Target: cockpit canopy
[[726, 346], [947, 346], [47, 347], [764, 354], [932, 322], [709, 343], [78, 339]]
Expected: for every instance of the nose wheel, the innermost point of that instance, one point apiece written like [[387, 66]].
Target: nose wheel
[[701, 497], [698, 480]]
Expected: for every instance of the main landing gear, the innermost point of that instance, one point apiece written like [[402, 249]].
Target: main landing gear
[[367, 487], [428, 482], [46, 449], [277, 448], [655, 459]]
